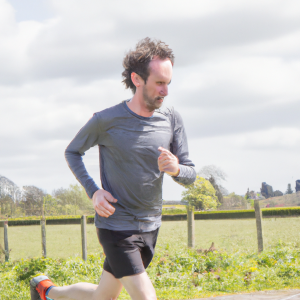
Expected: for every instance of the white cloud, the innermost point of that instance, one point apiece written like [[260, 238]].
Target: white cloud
[[249, 159], [235, 83], [272, 139]]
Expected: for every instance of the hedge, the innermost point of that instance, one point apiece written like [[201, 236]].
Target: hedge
[[281, 212], [199, 215], [52, 220]]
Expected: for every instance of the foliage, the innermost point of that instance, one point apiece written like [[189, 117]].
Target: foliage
[[251, 201], [214, 171], [234, 200], [70, 201], [2, 253], [281, 211], [32, 200], [232, 214], [276, 211], [289, 189], [6, 205], [186, 274], [201, 194], [73, 200], [50, 217], [216, 176], [175, 211], [199, 215]]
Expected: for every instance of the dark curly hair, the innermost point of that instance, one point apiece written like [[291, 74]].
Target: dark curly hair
[[138, 60]]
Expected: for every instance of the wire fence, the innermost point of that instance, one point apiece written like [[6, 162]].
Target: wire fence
[[62, 241]]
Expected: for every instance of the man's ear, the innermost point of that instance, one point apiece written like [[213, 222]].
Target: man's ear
[[136, 79]]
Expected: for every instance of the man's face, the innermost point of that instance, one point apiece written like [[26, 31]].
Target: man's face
[[156, 87]]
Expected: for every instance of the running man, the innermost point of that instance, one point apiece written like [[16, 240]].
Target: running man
[[138, 142]]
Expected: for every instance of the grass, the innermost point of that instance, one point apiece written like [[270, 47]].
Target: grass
[[177, 273], [180, 206], [64, 240]]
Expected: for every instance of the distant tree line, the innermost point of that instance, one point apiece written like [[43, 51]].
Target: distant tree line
[[34, 201], [206, 193]]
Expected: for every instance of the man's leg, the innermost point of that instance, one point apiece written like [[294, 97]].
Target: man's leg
[[139, 287], [109, 288]]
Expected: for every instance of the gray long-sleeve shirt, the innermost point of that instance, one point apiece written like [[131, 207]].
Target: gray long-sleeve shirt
[[128, 149]]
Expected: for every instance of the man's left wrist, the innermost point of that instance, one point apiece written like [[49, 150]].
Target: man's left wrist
[[177, 173]]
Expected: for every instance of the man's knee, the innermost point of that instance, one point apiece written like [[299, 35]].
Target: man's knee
[[139, 287], [143, 295], [104, 297], [150, 295]]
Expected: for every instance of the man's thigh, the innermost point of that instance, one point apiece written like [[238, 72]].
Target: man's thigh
[[139, 287]]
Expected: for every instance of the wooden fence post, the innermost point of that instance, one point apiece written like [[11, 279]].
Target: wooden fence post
[[6, 240], [83, 238], [43, 229], [191, 226], [1, 237], [258, 216]]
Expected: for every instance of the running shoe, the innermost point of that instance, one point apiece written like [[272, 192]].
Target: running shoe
[[39, 286]]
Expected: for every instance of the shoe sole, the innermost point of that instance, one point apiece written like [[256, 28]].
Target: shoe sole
[[33, 283], [33, 292]]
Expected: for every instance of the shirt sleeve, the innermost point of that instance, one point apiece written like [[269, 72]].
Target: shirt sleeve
[[179, 147], [88, 136]]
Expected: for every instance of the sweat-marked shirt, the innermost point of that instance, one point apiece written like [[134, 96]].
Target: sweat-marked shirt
[[128, 150]]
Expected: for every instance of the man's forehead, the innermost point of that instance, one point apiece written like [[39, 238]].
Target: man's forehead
[[160, 66], [156, 60]]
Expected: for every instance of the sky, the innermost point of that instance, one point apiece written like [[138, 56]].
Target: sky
[[235, 83]]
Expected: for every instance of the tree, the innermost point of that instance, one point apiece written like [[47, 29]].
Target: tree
[[6, 205], [233, 200], [247, 195], [215, 175], [201, 194], [289, 189], [33, 200], [73, 200], [212, 170]]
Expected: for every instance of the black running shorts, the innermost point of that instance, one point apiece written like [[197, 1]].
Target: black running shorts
[[127, 252]]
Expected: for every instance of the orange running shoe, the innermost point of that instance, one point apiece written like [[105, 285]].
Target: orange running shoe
[[39, 286]]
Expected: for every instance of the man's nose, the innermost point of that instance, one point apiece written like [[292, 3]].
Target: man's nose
[[164, 91]]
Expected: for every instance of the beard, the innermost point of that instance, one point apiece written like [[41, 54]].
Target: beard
[[151, 103]]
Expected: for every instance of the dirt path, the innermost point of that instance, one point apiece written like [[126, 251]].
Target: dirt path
[[266, 295]]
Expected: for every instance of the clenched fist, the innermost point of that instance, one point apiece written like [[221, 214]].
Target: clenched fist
[[101, 199], [168, 162]]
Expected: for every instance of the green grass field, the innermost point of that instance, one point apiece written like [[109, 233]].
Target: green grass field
[[231, 235], [176, 272]]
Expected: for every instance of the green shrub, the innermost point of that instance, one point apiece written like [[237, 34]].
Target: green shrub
[[281, 211], [188, 274]]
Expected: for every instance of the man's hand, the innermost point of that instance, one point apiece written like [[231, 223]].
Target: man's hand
[[168, 162], [101, 199]]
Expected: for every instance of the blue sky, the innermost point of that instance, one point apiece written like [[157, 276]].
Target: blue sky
[[37, 10], [235, 83]]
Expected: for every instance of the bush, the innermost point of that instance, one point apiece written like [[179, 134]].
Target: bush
[[53, 220], [187, 274], [201, 194]]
